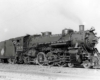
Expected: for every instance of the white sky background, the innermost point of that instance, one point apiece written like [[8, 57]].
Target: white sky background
[[21, 17]]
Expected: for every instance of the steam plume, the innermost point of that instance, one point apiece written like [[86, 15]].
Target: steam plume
[[70, 15]]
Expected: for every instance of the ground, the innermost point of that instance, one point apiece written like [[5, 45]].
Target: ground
[[35, 72]]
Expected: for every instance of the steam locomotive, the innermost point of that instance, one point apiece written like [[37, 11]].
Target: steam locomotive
[[71, 48]]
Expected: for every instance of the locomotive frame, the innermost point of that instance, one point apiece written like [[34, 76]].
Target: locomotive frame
[[71, 48]]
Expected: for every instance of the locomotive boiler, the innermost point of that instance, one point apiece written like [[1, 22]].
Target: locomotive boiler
[[70, 48]]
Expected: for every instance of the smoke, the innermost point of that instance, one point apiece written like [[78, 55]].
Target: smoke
[[70, 15]]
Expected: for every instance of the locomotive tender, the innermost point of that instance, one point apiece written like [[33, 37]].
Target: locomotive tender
[[71, 48]]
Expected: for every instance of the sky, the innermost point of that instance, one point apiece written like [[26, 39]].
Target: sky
[[21, 17]]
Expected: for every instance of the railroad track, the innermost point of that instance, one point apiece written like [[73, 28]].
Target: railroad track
[[30, 72]]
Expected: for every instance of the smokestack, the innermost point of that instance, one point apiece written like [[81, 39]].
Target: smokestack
[[81, 27]]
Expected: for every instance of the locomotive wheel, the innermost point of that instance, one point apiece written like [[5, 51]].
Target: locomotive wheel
[[11, 61], [26, 60], [95, 62], [59, 64], [51, 57], [71, 65], [41, 58], [62, 64], [86, 64], [2, 60]]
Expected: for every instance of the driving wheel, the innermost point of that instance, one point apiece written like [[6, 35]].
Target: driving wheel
[[41, 58]]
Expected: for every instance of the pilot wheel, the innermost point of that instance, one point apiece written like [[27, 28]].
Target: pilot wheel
[[86, 64]]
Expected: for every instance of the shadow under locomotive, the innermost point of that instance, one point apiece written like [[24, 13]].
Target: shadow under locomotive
[[71, 48]]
